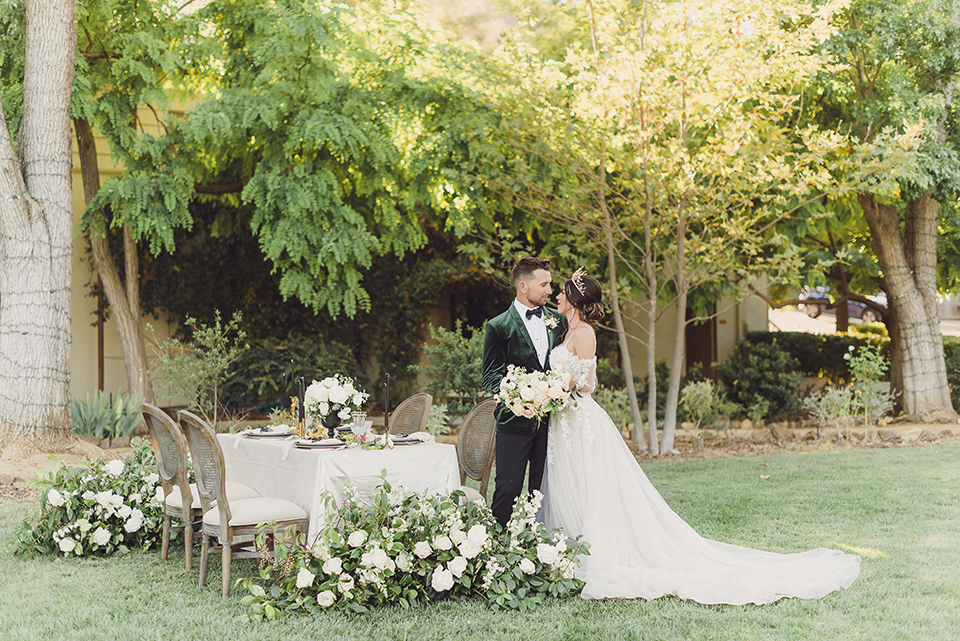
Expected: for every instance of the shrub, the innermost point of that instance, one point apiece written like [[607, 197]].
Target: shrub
[[97, 416], [820, 355], [757, 372], [951, 352], [96, 508], [404, 548], [195, 369], [438, 421], [453, 367]]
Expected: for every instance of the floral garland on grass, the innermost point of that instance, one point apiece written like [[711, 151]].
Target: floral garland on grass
[[96, 508], [410, 548]]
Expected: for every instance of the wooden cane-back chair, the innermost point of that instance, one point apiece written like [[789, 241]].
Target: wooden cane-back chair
[[411, 415], [170, 450], [475, 448], [233, 523]]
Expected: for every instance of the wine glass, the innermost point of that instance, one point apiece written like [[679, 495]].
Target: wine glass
[[359, 423]]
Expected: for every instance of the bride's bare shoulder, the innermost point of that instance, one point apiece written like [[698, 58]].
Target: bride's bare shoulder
[[584, 342]]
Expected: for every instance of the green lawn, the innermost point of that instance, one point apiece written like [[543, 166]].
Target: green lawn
[[898, 507]]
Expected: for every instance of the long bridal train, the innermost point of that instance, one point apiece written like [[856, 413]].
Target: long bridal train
[[639, 547]]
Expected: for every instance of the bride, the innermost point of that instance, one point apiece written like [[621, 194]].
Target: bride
[[640, 548]]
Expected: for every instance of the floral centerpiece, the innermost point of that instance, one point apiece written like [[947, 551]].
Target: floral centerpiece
[[534, 394], [332, 400], [96, 508], [408, 548]]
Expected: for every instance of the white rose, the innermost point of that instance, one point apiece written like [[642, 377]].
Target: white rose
[[339, 395], [422, 549], [101, 536], [380, 559], [561, 545], [305, 578], [152, 478], [442, 579], [158, 495], [333, 566], [55, 499], [457, 565], [527, 566], [324, 409], [469, 548], [114, 467], [132, 525], [547, 553], [527, 393], [103, 498], [442, 542], [568, 569], [478, 534], [357, 537], [89, 496], [116, 501], [457, 535], [67, 545], [345, 414], [326, 598], [135, 497], [403, 561], [345, 584], [124, 511]]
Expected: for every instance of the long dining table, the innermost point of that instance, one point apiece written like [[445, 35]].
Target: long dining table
[[276, 468]]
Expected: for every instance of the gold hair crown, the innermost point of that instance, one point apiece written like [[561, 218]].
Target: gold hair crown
[[577, 279]]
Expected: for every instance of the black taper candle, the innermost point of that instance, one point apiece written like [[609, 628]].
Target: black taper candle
[[300, 398], [386, 406]]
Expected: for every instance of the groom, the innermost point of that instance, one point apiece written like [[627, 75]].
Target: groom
[[520, 336]]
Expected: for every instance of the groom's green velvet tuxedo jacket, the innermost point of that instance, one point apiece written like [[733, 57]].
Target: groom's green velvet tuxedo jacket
[[506, 342]]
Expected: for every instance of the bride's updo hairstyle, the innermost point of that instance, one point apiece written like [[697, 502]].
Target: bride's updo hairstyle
[[587, 301]]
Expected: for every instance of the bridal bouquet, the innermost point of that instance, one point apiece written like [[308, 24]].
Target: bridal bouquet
[[334, 395], [534, 394]]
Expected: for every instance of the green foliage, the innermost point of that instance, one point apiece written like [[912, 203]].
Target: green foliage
[[867, 364], [820, 355], [97, 416], [96, 508], [453, 366], [759, 371], [438, 421], [259, 371], [951, 351], [195, 368], [702, 403], [404, 549]]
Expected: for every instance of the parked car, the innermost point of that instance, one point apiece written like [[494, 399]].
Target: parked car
[[817, 300]]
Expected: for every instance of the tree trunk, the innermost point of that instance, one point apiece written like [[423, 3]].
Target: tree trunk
[[36, 241], [679, 335], [909, 265], [124, 297], [618, 316]]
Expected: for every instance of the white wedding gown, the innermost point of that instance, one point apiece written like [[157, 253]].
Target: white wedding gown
[[639, 547]]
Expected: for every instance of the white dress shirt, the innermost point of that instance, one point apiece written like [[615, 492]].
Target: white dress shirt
[[536, 329]]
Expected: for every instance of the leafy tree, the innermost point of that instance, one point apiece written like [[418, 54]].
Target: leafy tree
[[897, 63]]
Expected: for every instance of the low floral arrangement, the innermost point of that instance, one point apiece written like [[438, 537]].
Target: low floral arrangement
[[408, 548], [334, 395], [364, 441], [534, 394], [96, 508]]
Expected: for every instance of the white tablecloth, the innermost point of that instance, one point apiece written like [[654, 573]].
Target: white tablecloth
[[280, 470]]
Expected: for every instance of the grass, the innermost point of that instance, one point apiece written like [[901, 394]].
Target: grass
[[899, 508]]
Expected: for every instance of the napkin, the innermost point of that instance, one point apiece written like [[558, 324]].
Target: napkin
[[423, 437]]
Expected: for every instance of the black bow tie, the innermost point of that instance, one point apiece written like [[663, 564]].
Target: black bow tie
[[536, 311]]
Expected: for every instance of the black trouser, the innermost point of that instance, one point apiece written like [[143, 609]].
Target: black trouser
[[514, 451]]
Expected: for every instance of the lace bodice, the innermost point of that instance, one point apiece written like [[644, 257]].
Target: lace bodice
[[584, 370]]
